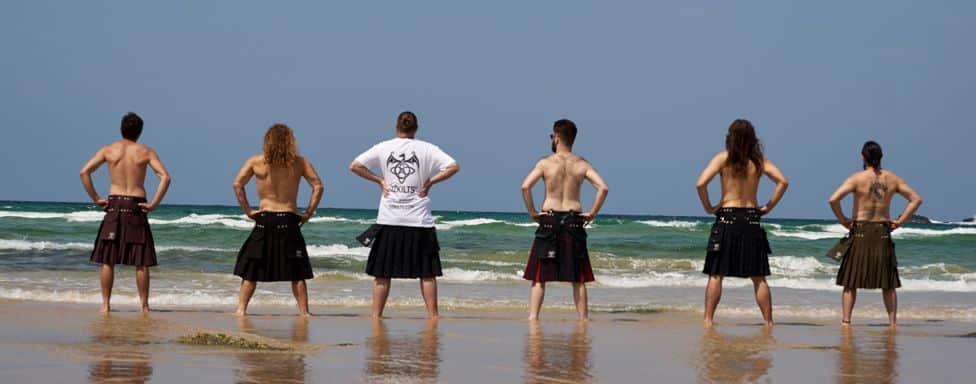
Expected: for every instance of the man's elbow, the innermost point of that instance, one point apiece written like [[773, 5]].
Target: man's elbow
[[604, 189], [918, 199], [785, 183], [238, 186], [453, 168]]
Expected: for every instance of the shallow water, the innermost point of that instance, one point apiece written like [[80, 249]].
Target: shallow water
[[641, 263]]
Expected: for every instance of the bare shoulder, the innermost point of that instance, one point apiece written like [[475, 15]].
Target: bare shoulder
[[302, 162], [583, 162], [111, 147], [544, 160], [718, 161], [255, 160], [721, 157], [892, 176], [145, 149]]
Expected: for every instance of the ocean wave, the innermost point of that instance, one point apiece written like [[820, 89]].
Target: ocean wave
[[333, 250], [225, 299], [25, 245], [459, 275], [80, 216], [670, 223], [819, 232], [232, 221], [466, 223], [797, 266], [812, 232], [445, 225], [336, 219], [682, 280], [924, 232]]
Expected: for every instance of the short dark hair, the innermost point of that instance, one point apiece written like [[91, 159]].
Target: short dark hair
[[131, 126], [566, 130], [872, 154], [407, 122]]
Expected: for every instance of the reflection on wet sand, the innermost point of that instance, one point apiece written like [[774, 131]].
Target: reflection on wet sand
[[121, 350], [735, 359], [558, 357], [869, 358], [273, 367], [403, 358]]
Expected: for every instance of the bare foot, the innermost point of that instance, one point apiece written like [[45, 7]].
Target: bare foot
[[433, 317], [533, 318], [305, 314], [145, 310], [105, 308], [845, 323], [240, 312], [709, 323]]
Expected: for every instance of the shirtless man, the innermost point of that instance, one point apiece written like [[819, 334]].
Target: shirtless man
[[124, 235], [275, 250], [559, 251], [738, 245], [870, 262]]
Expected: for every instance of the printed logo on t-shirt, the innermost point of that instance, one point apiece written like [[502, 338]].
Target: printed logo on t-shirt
[[403, 167]]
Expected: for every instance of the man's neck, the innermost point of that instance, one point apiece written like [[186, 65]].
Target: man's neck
[[127, 141], [561, 150], [401, 135]]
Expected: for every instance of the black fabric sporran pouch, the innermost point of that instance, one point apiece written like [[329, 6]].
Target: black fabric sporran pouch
[[369, 235]]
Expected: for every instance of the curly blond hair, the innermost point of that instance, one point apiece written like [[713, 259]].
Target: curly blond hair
[[280, 146]]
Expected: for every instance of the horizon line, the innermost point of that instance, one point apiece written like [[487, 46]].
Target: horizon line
[[435, 210]]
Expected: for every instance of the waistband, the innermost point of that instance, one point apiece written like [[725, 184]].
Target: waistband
[[138, 199], [738, 216], [277, 220], [561, 213], [276, 213]]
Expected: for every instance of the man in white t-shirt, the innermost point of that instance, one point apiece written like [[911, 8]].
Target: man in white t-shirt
[[404, 242]]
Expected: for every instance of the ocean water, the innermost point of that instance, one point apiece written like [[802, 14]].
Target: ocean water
[[642, 263]]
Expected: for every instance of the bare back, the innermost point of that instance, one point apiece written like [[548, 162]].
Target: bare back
[[563, 175], [873, 191], [739, 191], [127, 163], [277, 186]]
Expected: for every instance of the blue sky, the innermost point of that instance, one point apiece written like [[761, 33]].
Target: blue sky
[[652, 86]]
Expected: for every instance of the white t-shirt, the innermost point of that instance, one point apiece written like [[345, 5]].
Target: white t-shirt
[[406, 164]]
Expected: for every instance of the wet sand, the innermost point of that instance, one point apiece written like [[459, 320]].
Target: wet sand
[[44, 342]]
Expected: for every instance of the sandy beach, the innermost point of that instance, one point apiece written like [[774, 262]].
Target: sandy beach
[[44, 342]]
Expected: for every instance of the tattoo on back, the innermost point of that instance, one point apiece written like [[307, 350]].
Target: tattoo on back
[[878, 190]]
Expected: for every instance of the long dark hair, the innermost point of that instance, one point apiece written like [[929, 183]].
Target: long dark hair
[[743, 147]]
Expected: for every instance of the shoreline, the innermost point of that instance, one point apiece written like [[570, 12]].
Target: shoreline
[[66, 343]]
